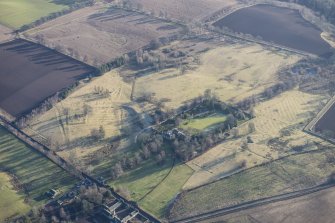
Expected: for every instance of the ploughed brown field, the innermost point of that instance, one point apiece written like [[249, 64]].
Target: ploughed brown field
[[326, 123], [30, 73], [97, 35], [279, 25]]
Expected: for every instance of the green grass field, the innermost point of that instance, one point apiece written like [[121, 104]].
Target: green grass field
[[281, 176], [16, 13], [158, 200], [12, 201], [203, 123], [141, 180], [148, 178], [35, 173]]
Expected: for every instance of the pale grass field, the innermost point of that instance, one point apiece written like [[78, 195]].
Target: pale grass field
[[233, 72], [290, 110], [107, 112], [316, 207]]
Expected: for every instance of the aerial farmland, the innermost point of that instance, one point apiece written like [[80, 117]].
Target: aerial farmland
[[167, 111], [35, 68], [119, 32]]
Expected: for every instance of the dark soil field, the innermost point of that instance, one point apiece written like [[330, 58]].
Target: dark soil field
[[279, 25], [30, 73], [326, 123]]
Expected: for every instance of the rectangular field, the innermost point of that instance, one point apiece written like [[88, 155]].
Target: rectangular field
[[233, 71], [277, 132], [279, 25], [16, 13], [35, 173], [96, 35], [289, 174], [30, 73], [203, 123]]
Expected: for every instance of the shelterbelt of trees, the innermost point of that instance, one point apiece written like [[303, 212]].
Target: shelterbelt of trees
[[324, 7]]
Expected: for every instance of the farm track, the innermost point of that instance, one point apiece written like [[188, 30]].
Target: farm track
[[255, 203], [160, 182]]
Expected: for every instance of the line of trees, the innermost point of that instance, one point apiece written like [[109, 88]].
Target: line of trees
[[325, 7], [76, 5], [98, 134], [150, 146], [270, 92], [46, 105], [118, 62], [187, 148]]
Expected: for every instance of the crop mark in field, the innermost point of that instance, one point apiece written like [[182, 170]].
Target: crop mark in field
[[253, 220], [257, 154]]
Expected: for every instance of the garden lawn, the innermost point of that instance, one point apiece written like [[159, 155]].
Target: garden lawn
[[203, 123]]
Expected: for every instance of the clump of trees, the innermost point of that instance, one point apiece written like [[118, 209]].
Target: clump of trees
[[98, 134], [118, 62], [101, 91], [150, 146], [42, 108], [270, 92], [81, 206], [46, 105], [188, 146]]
